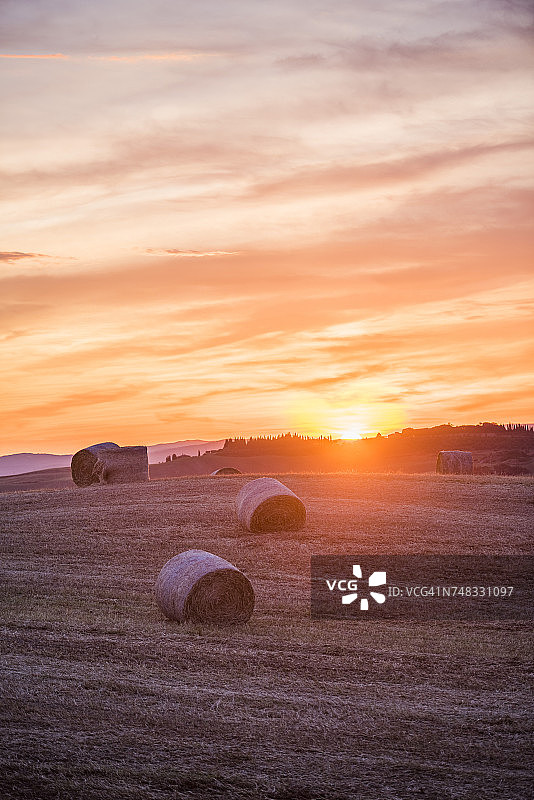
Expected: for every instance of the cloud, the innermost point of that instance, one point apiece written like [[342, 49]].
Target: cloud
[[60, 56], [137, 57], [191, 253], [378, 267], [21, 313], [222, 361], [304, 61], [71, 403], [15, 334], [454, 51], [347, 177], [157, 150], [502, 401], [128, 59], [14, 255]]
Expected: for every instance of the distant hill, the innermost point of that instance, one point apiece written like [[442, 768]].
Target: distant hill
[[30, 462], [42, 479], [21, 463], [189, 447]]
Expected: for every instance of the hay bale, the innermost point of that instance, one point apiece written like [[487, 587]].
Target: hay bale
[[226, 471], [109, 463], [457, 462], [124, 465], [202, 587], [83, 463], [265, 504]]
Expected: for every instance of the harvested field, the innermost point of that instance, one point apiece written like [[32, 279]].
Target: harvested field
[[105, 698]]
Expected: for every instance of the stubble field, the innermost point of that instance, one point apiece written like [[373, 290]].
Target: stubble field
[[104, 698]]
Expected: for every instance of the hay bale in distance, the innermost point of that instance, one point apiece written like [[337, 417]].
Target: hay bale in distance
[[455, 462], [202, 587], [83, 463], [266, 505], [109, 463], [226, 471]]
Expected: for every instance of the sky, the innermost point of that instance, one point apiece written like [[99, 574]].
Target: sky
[[234, 217]]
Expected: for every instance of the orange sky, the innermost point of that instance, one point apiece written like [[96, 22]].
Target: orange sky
[[238, 218]]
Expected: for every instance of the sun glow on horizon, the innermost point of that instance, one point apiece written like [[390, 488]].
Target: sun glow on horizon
[[315, 416], [352, 434], [350, 425]]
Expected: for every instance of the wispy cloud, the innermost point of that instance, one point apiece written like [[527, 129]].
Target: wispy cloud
[[70, 403], [192, 253], [60, 56], [14, 255], [350, 176], [137, 57], [124, 58]]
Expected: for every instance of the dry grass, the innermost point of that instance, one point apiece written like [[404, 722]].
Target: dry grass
[[104, 698]]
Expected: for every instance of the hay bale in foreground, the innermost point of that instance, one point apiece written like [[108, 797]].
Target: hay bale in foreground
[[124, 465], [202, 587], [226, 471], [109, 463], [455, 462], [83, 463], [265, 504]]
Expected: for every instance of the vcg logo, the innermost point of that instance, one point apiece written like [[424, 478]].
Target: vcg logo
[[349, 588]]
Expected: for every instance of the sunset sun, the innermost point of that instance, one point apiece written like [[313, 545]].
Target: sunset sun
[[352, 432]]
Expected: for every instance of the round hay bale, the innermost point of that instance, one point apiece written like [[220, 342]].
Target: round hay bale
[[226, 471], [455, 462], [122, 465], [202, 587], [265, 505], [84, 463]]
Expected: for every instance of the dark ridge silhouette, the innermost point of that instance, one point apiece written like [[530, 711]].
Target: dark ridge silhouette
[[497, 449]]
